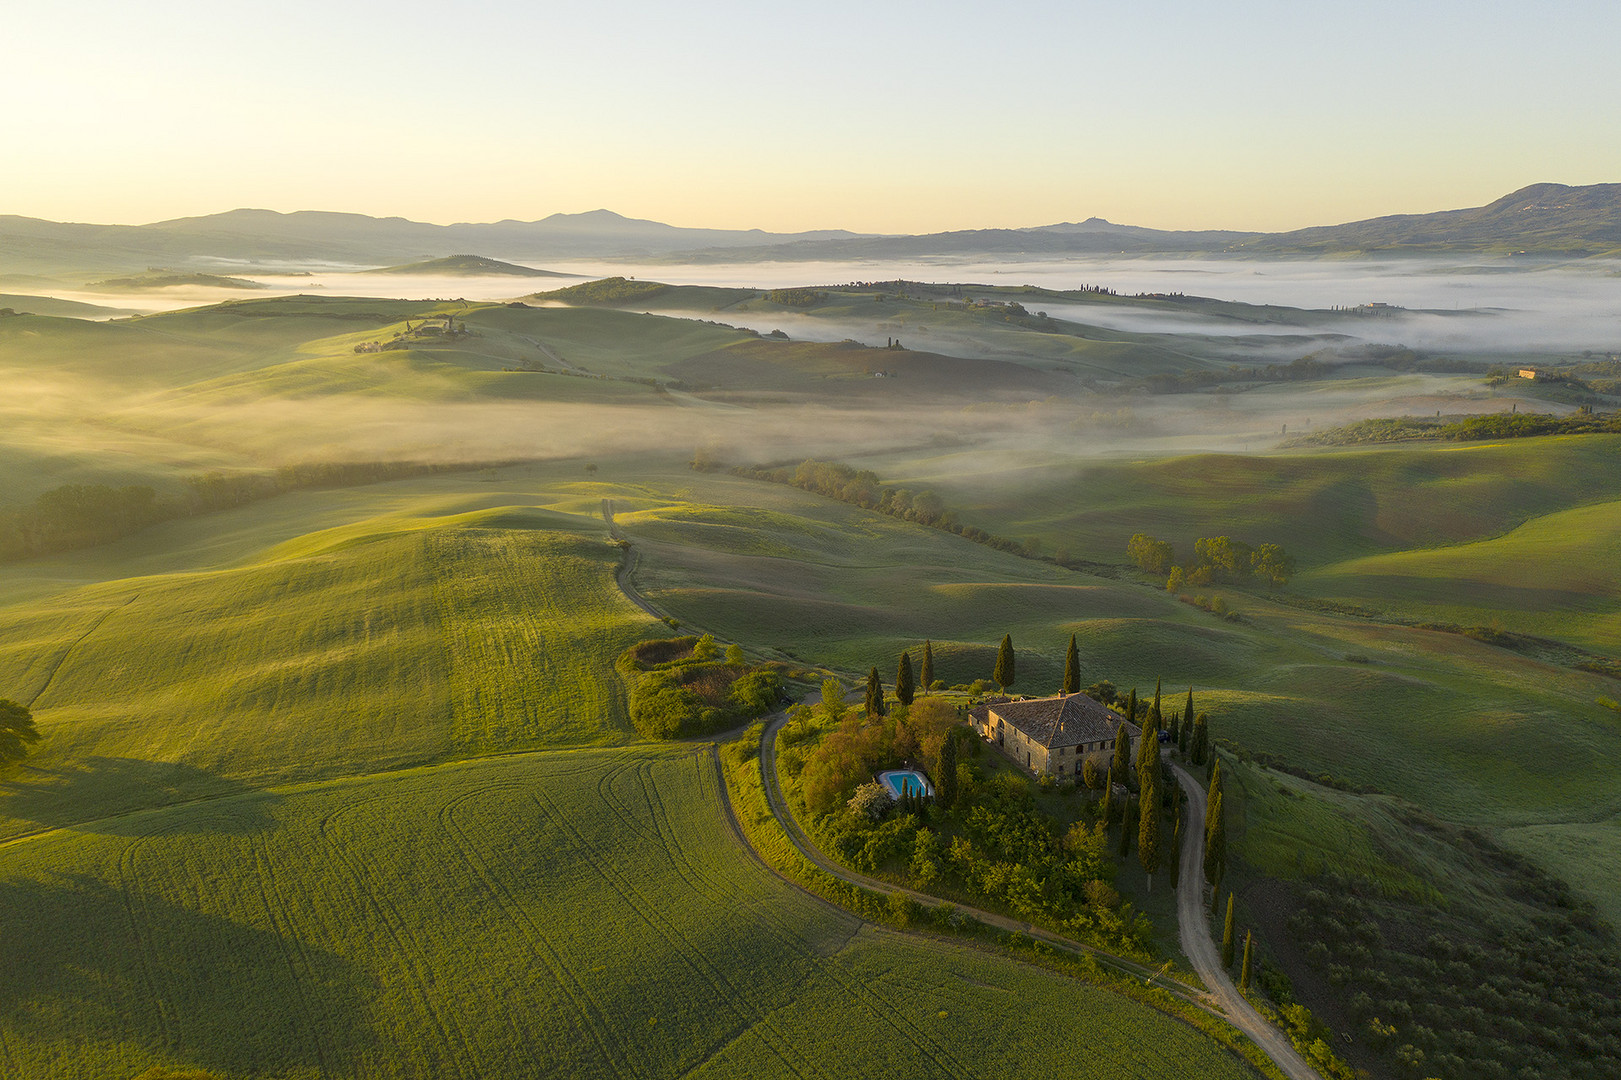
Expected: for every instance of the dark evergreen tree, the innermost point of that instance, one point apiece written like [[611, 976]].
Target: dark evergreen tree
[[1148, 828], [1147, 755], [1128, 825], [1176, 847], [1108, 798], [903, 680], [1187, 712], [1072, 669], [1156, 719], [1131, 705], [1215, 852], [1201, 740], [1244, 972], [945, 774], [1003, 673], [1227, 936], [875, 695], [1212, 794], [1122, 753], [927, 673]]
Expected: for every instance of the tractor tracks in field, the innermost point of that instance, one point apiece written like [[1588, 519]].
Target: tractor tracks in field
[[588, 1010], [751, 1016], [406, 947]]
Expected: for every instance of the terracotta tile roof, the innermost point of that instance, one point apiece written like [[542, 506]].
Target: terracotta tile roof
[[1058, 721]]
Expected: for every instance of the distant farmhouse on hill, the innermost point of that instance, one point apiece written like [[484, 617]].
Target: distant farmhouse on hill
[[1049, 736]]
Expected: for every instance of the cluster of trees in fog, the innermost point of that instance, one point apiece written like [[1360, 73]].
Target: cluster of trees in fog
[[1215, 558]]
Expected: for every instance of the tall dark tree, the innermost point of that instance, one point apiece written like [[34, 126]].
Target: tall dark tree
[[1212, 793], [1148, 852], [1176, 847], [1122, 753], [1003, 674], [1227, 936], [1156, 719], [1131, 706], [1128, 825], [1215, 851], [875, 694], [1108, 798], [903, 680], [945, 774], [1244, 972], [1187, 712], [1147, 755], [1201, 739], [16, 731], [1072, 669], [927, 672]]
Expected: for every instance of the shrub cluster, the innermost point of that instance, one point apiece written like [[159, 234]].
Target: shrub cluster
[[682, 686]]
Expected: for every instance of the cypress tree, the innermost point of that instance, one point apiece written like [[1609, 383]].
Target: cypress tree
[[1201, 739], [1072, 669], [875, 695], [1227, 936], [1148, 829], [1156, 719], [1215, 852], [1003, 674], [1244, 973], [1147, 754], [1185, 736], [1122, 752], [1187, 712], [1128, 825], [928, 666], [1108, 797], [1176, 847], [1212, 795], [945, 774], [903, 680], [1131, 706]]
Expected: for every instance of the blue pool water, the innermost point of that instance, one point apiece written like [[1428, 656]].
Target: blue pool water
[[905, 781]]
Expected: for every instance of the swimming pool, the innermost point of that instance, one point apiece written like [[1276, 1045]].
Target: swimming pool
[[905, 782]]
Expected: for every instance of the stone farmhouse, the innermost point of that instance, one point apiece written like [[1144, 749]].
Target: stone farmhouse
[[1049, 735]]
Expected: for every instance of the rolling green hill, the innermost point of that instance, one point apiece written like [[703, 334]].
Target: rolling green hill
[[585, 914]]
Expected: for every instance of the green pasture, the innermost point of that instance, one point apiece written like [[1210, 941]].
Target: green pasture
[[381, 642], [1324, 507], [574, 913], [1556, 576]]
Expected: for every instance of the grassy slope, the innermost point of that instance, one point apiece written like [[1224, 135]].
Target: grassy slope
[[1465, 729], [384, 641], [1323, 507], [577, 913]]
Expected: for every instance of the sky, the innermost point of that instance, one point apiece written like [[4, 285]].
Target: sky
[[875, 116]]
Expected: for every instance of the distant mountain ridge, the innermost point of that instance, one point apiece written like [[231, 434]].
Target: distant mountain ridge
[[1541, 219]]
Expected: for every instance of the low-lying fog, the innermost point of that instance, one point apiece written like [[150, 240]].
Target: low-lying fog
[[1462, 305]]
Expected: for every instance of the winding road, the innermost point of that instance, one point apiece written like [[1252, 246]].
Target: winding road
[[1223, 998]]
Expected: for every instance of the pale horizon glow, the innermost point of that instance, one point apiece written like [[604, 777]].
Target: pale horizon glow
[[905, 117]]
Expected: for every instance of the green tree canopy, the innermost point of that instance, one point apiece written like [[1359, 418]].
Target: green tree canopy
[[1122, 752], [927, 671], [16, 730], [945, 774], [1072, 668]]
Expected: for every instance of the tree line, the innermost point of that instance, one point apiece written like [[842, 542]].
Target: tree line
[[1215, 558]]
